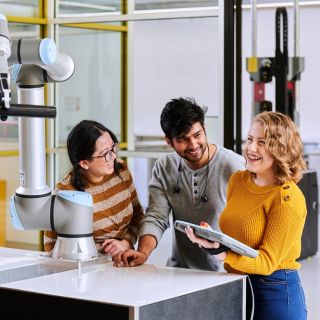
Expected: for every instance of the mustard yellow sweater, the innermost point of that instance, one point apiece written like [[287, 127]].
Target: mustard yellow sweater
[[269, 219]]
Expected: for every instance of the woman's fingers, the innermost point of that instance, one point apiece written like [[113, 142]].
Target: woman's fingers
[[200, 241]]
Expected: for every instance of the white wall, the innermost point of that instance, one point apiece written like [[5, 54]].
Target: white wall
[[173, 58]]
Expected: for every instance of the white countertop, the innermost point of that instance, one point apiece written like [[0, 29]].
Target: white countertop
[[134, 286], [13, 258]]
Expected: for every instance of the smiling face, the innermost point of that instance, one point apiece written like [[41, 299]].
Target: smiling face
[[259, 159], [192, 147], [97, 167]]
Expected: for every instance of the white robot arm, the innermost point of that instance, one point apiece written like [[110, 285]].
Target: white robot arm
[[42, 53], [5, 51], [32, 207]]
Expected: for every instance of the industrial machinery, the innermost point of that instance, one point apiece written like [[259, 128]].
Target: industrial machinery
[[285, 69], [309, 187], [33, 207]]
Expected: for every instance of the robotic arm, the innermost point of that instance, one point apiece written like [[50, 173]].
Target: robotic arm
[[9, 57], [44, 55], [33, 207]]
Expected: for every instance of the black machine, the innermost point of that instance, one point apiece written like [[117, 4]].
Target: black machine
[[309, 187], [286, 71]]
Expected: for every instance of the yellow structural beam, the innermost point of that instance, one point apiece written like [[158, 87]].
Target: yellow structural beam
[[9, 153], [27, 20], [97, 26], [2, 212]]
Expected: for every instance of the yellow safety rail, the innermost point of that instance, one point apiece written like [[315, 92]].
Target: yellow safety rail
[[2, 212]]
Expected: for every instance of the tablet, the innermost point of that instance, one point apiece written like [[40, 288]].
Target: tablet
[[214, 235]]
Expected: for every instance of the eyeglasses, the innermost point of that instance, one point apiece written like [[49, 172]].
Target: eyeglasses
[[109, 154]]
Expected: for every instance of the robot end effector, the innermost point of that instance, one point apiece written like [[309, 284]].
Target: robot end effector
[[35, 62]]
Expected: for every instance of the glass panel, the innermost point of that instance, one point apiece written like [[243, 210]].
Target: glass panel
[[276, 2], [173, 4], [9, 134], [174, 58], [9, 128], [23, 8], [9, 182], [88, 7], [63, 164], [94, 90], [23, 31]]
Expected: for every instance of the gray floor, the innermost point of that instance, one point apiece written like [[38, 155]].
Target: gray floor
[[310, 279]]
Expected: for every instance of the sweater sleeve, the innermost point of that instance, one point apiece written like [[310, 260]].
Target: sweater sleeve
[[283, 232]]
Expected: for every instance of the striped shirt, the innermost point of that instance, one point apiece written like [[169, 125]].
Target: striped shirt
[[116, 208]]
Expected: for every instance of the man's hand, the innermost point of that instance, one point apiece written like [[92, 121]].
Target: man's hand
[[129, 258], [132, 258]]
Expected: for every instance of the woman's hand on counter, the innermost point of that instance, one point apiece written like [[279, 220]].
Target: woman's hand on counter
[[113, 247]]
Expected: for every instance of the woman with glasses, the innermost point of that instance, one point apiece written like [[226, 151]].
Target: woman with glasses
[[92, 150]]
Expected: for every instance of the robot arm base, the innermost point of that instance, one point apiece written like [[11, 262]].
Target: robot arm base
[[71, 248]]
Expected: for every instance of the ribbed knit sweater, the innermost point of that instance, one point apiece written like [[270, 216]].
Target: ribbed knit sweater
[[116, 208], [269, 219]]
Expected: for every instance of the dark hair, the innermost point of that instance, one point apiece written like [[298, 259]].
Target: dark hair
[[179, 115], [81, 143]]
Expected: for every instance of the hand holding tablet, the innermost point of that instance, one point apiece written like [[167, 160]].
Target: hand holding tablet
[[214, 235]]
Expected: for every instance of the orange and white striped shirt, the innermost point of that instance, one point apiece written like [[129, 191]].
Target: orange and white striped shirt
[[117, 211]]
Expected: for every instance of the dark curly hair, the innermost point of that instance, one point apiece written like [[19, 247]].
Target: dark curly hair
[[179, 115]]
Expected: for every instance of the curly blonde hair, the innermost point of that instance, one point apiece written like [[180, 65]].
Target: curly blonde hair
[[284, 143]]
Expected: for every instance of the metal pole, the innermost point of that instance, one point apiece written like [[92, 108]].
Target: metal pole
[[296, 54], [254, 28], [239, 76], [253, 47], [229, 74]]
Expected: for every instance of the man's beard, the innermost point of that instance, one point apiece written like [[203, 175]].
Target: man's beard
[[191, 159]]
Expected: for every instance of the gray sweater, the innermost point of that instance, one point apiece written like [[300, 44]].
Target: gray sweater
[[187, 205]]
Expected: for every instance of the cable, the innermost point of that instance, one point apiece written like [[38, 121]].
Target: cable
[[176, 188], [204, 197], [252, 296]]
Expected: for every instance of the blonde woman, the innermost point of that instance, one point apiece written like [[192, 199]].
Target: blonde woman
[[266, 210]]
